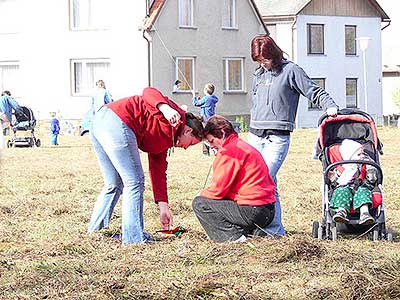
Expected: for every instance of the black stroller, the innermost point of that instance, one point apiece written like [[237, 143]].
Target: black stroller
[[25, 121], [360, 127]]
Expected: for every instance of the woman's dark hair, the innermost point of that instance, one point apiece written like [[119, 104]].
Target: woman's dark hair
[[6, 93], [264, 47], [195, 123], [219, 127]]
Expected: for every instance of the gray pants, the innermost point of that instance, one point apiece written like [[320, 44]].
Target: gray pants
[[225, 220]]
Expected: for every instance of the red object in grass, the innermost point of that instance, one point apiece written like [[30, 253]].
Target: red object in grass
[[177, 231]]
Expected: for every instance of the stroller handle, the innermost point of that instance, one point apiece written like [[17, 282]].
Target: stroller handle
[[346, 111], [358, 162]]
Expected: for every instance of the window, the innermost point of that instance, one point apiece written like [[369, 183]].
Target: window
[[350, 39], [90, 14], [351, 93], [233, 74], [85, 73], [186, 13], [316, 106], [315, 38], [9, 16], [9, 77], [229, 17], [184, 72]]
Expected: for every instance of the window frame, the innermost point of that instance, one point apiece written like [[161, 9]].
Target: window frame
[[90, 26], [13, 89], [85, 61], [226, 74], [310, 51], [191, 25], [231, 17], [356, 92], [177, 72], [354, 42], [317, 106]]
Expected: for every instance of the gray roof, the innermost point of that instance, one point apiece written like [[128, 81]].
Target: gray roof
[[280, 7]]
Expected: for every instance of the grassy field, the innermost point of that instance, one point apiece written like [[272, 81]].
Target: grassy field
[[47, 195]]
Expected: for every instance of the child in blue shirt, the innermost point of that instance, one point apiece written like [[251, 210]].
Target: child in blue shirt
[[54, 129], [207, 105]]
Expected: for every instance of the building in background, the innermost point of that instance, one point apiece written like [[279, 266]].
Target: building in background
[[197, 42], [320, 36], [53, 52]]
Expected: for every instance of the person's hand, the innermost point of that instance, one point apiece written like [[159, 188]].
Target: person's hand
[[170, 114], [331, 111], [165, 216]]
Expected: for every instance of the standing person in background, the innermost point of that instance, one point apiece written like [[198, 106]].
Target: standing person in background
[[7, 105], [207, 105], [54, 129], [152, 123], [101, 96], [277, 86]]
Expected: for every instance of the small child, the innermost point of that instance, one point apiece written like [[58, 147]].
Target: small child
[[355, 185], [54, 129], [207, 105]]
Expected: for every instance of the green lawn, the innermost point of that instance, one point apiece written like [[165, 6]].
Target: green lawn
[[46, 198]]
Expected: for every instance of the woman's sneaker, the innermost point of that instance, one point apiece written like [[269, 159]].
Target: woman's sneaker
[[366, 219], [341, 216]]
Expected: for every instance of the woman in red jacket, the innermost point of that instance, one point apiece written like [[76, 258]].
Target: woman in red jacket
[[152, 123], [241, 197]]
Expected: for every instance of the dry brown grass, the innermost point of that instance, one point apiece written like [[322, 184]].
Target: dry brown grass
[[47, 195]]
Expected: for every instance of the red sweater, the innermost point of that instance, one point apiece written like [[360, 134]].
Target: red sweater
[[153, 132], [240, 174]]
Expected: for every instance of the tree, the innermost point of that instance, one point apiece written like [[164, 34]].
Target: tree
[[396, 101]]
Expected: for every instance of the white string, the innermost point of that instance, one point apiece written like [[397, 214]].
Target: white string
[[170, 55]]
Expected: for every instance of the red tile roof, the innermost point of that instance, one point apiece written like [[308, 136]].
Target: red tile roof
[[153, 13]]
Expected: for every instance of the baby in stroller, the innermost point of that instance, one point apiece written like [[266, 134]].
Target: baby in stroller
[[24, 121], [353, 184]]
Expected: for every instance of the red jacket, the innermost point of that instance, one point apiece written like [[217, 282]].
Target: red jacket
[[240, 174], [153, 132]]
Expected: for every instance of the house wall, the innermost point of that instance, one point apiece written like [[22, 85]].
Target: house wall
[[389, 85], [355, 8], [335, 66], [45, 45], [208, 43]]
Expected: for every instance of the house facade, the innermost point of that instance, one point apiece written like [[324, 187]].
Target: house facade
[[51, 59], [198, 42], [324, 38]]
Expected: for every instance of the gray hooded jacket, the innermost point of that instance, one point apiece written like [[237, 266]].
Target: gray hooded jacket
[[276, 96]]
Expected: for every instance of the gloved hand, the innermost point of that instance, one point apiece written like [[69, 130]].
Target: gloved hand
[[331, 111]]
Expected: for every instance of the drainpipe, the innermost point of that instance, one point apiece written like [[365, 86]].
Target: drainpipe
[[293, 29], [147, 37]]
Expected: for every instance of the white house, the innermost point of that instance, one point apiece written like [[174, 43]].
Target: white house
[[52, 52], [321, 36]]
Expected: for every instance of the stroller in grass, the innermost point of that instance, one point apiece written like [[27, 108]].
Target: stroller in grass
[[25, 121], [360, 127]]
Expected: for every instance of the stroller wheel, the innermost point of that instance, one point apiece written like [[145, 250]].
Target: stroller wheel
[[38, 143], [9, 144], [375, 234], [389, 234], [334, 233], [315, 227]]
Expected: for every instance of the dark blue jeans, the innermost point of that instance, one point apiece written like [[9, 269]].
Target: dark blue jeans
[[225, 220]]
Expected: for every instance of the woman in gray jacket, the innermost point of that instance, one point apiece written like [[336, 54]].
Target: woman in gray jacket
[[277, 86]]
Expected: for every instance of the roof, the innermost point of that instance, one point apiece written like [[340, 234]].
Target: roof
[[273, 8], [157, 6]]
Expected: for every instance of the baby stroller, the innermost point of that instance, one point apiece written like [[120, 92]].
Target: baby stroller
[[358, 126], [25, 121]]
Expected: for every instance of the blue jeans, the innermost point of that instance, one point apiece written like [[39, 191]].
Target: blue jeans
[[117, 151], [274, 149], [54, 139]]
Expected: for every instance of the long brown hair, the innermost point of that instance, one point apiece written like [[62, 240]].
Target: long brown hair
[[264, 47], [195, 122], [219, 127]]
